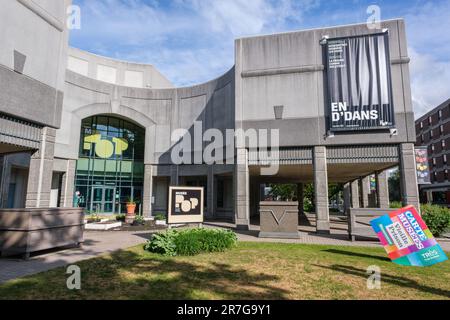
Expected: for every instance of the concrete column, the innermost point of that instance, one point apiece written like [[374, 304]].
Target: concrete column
[[347, 197], [408, 176], [5, 175], [68, 185], [41, 171], [174, 179], [300, 196], [429, 195], [147, 193], [355, 194], [382, 189], [365, 191], [321, 189], [211, 196], [242, 190]]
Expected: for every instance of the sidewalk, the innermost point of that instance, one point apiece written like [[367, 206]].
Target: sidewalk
[[96, 243]]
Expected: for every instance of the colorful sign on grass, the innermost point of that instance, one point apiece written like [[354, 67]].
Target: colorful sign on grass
[[407, 239]]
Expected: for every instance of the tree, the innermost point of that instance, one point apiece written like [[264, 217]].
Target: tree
[[394, 186]]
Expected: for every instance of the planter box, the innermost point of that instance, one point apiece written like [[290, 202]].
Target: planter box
[[103, 226], [279, 220], [161, 223], [23, 231]]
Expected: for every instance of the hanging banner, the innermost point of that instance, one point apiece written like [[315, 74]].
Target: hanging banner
[[407, 239], [359, 83], [423, 168]]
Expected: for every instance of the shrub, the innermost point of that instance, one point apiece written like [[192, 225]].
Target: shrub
[[191, 241], [160, 217], [396, 205], [139, 220], [163, 243], [120, 217], [437, 218], [194, 241]]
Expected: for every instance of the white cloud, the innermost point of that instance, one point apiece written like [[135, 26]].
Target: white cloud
[[430, 81], [428, 28], [189, 41]]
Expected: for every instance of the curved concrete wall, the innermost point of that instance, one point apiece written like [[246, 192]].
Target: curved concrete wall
[[113, 71], [159, 111]]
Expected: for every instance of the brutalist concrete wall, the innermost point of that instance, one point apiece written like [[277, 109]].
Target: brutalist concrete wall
[[159, 111], [114, 71], [34, 41], [288, 70]]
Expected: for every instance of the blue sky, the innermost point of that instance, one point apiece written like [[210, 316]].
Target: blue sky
[[192, 41]]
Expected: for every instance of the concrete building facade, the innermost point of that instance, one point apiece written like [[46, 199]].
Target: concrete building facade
[[113, 122]]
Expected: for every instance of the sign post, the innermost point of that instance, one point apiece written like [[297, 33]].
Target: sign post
[[407, 239], [185, 205]]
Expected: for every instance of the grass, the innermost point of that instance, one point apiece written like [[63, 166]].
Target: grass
[[250, 271]]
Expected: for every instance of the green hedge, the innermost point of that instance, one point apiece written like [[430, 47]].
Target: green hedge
[[437, 218], [191, 241], [396, 205]]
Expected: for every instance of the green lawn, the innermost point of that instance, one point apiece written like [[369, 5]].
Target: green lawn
[[250, 271]]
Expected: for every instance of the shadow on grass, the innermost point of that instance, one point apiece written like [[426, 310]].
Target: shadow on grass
[[357, 254], [395, 280], [129, 275]]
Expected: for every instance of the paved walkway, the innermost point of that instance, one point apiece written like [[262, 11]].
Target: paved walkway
[[98, 243]]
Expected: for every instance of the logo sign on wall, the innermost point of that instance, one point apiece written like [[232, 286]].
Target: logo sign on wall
[[423, 168], [407, 239], [359, 83], [185, 205]]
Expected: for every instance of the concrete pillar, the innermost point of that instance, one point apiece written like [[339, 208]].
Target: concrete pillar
[[147, 193], [242, 190], [174, 178], [347, 197], [68, 185], [408, 176], [5, 175], [321, 190], [382, 189], [355, 194], [301, 196], [211, 196], [365, 191], [41, 171], [429, 195]]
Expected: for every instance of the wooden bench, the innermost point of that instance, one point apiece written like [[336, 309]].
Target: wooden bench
[[359, 221]]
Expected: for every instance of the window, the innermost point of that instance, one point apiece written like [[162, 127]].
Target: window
[[442, 129], [430, 120], [440, 114], [434, 161], [431, 134], [444, 158], [422, 138], [432, 147], [443, 144], [421, 124]]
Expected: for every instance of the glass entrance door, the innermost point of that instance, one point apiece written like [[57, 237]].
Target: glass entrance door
[[103, 199]]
